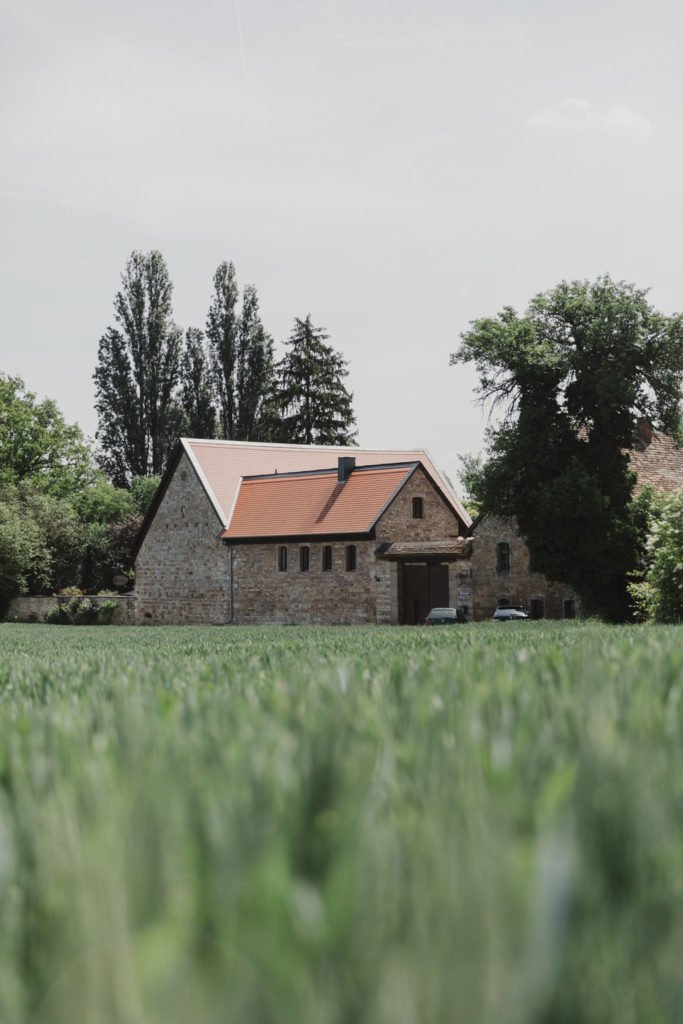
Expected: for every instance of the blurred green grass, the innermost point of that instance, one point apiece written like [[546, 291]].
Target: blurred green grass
[[476, 824]]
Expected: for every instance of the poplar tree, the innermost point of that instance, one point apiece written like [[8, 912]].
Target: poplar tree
[[196, 388], [311, 401], [241, 355], [137, 374]]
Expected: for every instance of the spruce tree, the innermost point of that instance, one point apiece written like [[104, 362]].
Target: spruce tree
[[196, 388], [312, 402], [241, 357], [137, 374]]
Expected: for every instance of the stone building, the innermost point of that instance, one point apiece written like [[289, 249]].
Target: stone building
[[241, 532]]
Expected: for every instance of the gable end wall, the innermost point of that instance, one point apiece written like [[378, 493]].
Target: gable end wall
[[182, 572]]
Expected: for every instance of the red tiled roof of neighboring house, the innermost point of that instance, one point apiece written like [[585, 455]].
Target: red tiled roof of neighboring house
[[657, 461], [222, 464], [311, 504]]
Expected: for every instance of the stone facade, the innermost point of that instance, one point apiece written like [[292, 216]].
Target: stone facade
[[439, 521], [182, 572], [517, 585], [263, 594], [369, 594], [34, 609]]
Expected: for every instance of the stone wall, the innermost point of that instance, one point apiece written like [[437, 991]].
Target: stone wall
[[34, 609], [519, 586], [439, 521], [182, 572], [264, 595]]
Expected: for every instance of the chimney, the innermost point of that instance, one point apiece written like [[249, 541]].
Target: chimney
[[346, 466]]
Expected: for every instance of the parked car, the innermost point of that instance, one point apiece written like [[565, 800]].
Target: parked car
[[445, 617], [509, 614]]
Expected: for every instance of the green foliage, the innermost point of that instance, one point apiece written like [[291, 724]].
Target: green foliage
[[142, 491], [59, 615], [664, 579], [104, 503], [570, 377], [25, 559], [106, 611], [137, 374], [311, 404], [37, 444], [241, 358], [321, 825], [197, 389]]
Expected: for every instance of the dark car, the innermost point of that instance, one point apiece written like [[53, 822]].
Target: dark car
[[445, 617], [509, 615]]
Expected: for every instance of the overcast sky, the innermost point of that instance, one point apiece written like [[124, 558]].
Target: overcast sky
[[395, 169]]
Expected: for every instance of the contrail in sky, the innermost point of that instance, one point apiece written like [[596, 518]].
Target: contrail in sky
[[240, 37]]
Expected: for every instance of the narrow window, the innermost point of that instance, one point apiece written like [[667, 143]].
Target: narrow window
[[350, 557], [304, 559], [569, 608], [327, 558], [503, 557], [418, 508], [282, 558], [537, 608]]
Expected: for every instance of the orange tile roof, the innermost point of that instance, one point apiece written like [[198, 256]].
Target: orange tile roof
[[311, 504], [222, 464]]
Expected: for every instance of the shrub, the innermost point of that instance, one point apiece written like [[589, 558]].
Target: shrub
[[106, 612], [58, 616]]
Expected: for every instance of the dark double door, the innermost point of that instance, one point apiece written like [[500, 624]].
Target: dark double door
[[424, 587]]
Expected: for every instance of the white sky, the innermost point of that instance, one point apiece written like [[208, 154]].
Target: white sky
[[393, 168]]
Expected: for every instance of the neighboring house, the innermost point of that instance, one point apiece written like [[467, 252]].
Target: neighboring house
[[501, 570], [502, 576], [241, 532]]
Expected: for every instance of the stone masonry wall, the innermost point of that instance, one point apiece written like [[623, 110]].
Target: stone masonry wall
[[34, 609], [264, 595], [520, 586], [182, 572], [439, 522]]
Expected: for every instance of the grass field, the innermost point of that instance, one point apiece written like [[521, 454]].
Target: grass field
[[477, 824]]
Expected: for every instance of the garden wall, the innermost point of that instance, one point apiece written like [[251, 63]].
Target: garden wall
[[34, 609]]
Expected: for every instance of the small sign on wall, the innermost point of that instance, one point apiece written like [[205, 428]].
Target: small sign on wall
[[464, 594]]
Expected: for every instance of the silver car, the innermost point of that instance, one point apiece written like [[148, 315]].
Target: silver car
[[509, 614]]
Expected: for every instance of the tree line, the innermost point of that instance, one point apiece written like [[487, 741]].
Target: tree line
[[155, 382]]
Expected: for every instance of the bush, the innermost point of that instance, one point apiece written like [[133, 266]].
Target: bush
[[81, 611], [106, 612], [58, 616]]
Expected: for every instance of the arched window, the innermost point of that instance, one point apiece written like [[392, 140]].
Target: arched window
[[304, 558], [502, 602], [503, 557], [282, 558], [418, 508], [327, 558], [350, 557]]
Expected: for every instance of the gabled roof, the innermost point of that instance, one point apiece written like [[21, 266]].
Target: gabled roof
[[221, 465], [315, 504]]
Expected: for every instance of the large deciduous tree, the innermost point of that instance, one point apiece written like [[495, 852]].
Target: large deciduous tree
[[37, 443], [570, 377], [137, 373], [241, 357], [311, 404]]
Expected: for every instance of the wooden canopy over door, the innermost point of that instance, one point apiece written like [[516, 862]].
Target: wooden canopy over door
[[424, 586]]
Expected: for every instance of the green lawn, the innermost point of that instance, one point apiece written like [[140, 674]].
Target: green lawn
[[470, 824]]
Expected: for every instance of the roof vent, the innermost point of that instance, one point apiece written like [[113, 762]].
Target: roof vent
[[347, 464]]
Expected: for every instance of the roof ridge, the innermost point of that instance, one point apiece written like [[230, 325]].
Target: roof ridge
[[380, 467]]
